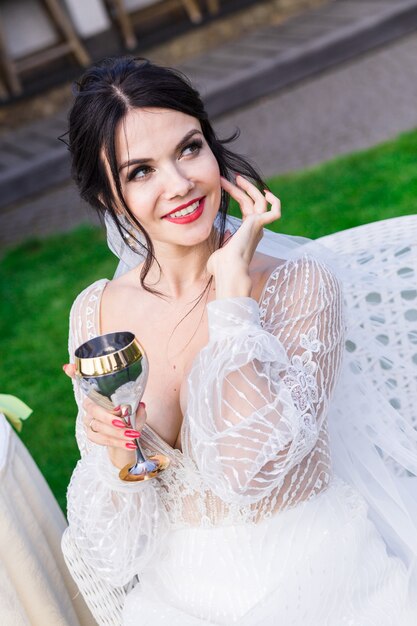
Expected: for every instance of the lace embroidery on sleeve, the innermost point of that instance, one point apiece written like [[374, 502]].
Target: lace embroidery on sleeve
[[302, 383], [84, 325]]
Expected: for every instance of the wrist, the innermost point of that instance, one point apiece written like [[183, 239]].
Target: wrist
[[119, 458], [236, 286]]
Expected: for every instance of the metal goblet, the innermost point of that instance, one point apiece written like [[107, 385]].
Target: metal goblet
[[113, 370]]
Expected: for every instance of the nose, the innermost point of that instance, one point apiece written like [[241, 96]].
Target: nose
[[177, 183]]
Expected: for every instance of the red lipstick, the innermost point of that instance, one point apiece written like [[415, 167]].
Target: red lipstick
[[191, 217]]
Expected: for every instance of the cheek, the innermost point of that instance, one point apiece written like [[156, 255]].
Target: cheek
[[140, 201], [208, 172], [213, 168]]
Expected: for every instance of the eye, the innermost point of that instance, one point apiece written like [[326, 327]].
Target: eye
[[139, 172], [192, 148]]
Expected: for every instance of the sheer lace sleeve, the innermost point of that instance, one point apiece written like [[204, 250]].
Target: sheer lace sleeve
[[258, 392], [117, 526]]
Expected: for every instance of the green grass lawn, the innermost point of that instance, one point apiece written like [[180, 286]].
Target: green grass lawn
[[40, 279]]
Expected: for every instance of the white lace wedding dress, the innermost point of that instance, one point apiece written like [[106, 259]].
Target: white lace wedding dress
[[249, 525]]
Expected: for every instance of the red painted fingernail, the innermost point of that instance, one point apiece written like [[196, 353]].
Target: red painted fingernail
[[142, 404], [130, 445], [132, 433], [117, 408], [118, 423]]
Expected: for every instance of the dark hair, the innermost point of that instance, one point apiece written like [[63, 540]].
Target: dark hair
[[103, 97]]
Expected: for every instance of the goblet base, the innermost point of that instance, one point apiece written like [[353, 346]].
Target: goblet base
[[146, 470]]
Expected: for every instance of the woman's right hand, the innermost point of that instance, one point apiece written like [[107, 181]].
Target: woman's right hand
[[107, 428]]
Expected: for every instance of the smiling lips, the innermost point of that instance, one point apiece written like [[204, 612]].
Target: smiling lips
[[187, 213]]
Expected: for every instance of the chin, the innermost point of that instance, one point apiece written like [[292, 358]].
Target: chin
[[197, 233], [198, 237]]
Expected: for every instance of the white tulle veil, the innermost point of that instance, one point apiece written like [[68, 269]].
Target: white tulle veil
[[372, 446]]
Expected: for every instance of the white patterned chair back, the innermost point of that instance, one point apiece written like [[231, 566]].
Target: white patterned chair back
[[104, 601], [387, 312]]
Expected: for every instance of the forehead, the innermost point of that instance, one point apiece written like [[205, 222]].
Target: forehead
[[149, 132]]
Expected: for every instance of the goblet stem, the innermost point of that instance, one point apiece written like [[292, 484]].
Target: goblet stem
[[144, 468], [127, 416], [140, 457]]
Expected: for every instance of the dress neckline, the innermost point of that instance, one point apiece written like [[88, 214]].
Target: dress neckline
[[153, 434], [147, 427]]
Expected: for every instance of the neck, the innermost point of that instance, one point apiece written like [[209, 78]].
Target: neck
[[182, 269]]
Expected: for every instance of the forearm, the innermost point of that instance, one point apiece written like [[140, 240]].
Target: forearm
[[239, 414], [259, 397]]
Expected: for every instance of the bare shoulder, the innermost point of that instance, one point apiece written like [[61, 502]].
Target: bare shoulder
[[125, 283], [119, 296]]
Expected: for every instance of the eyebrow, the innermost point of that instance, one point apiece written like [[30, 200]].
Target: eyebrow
[[187, 137]]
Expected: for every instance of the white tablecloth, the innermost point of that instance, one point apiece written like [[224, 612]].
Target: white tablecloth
[[35, 586]]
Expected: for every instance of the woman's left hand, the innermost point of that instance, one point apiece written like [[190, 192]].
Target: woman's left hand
[[230, 264]]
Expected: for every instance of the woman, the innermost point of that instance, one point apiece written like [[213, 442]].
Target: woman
[[249, 524]]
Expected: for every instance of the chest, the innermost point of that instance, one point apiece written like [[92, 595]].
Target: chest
[[171, 337], [170, 360]]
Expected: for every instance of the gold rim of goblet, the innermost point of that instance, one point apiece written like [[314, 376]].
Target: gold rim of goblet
[[109, 363]]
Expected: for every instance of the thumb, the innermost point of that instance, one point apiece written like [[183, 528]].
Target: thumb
[[69, 369]]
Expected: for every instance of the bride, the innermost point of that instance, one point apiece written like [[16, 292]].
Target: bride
[[248, 392]]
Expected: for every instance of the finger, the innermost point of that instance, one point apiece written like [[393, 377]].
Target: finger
[[69, 369], [275, 211], [260, 204], [244, 201], [100, 431], [102, 438], [122, 435], [94, 410]]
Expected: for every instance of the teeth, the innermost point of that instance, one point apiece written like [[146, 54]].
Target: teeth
[[186, 211]]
